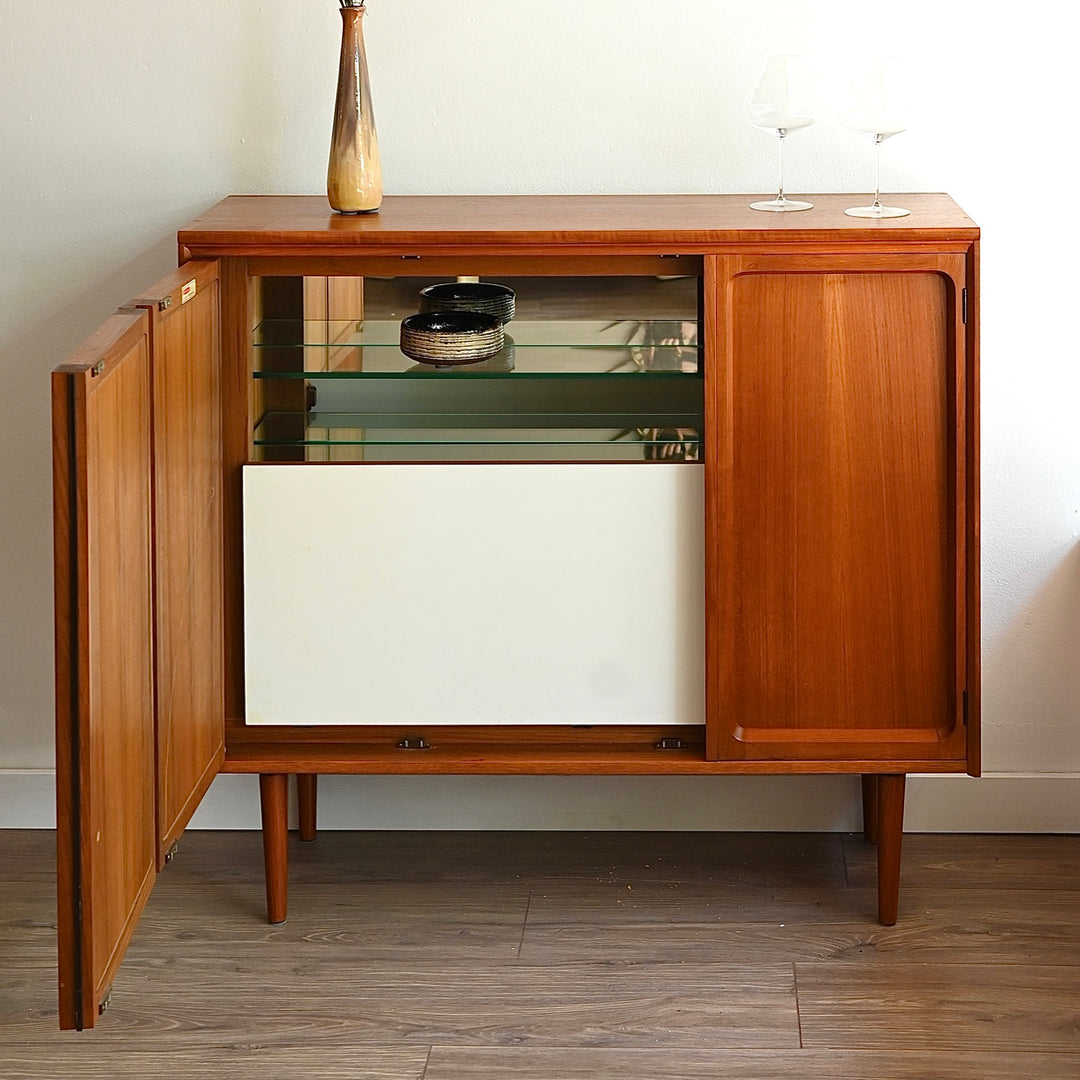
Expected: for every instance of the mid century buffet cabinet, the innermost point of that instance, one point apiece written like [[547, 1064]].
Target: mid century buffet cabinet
[[712, 510]]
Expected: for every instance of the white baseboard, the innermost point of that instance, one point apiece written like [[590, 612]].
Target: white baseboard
[[999, 803]]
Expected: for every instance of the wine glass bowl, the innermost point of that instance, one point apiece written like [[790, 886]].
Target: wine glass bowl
[[780, 104], [876, 108]]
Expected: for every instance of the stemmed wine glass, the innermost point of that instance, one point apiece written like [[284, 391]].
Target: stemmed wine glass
[[876, 108], [780, 103]]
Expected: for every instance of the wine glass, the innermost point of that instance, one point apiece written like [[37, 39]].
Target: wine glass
[[876, 108], [780, 103]]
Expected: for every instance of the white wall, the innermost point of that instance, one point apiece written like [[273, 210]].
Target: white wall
[[120, 121]]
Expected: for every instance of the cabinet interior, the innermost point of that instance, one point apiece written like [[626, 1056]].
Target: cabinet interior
[[593, 369]]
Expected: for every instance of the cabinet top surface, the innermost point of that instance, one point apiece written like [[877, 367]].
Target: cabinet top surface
[[291, 224]]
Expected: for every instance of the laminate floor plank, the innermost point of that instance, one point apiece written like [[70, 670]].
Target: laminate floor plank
[[28, 855], [449, 921], [940, 1007], [973, 862], [27, 911], [88, 1056], [670, 924], [647, 902], [541, 1063], [308, 991]]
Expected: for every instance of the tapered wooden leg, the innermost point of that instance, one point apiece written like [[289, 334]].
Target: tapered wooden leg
[[870, 807], [306, 790], [890, 838], [274, 796]]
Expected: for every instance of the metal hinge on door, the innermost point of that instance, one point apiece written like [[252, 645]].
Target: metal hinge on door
[[670, 742]]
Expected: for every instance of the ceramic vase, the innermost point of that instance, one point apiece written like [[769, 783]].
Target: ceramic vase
[[354, 176]]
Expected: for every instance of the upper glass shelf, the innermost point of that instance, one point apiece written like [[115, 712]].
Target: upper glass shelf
[[534, 347]]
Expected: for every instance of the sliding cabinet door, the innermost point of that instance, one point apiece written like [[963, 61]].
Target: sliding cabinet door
[[837, 510]]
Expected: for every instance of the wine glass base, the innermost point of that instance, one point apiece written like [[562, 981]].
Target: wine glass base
[[781, 204], [876, 211]]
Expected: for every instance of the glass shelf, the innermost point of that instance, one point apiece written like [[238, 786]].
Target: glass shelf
[[305, 349], [384, 437]]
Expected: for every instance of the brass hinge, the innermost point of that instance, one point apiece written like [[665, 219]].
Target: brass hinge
[[670, 742]]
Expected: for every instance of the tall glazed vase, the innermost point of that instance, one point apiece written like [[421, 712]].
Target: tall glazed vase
[[354, 176]]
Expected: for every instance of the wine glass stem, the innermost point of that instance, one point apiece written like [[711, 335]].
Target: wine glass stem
[[780, 133], [877, 171]]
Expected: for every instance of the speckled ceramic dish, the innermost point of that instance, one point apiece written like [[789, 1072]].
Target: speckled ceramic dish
[[483, 296], [444, 338]]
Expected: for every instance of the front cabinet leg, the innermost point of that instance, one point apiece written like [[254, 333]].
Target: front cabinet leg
[[890, 833], [274, 798]]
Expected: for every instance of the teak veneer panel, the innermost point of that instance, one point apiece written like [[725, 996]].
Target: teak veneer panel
[[483, 759], [838, 617], [551, 224], [186, 414], [106, 848]]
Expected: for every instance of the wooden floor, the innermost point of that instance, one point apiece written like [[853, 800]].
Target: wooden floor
[[480, 956]]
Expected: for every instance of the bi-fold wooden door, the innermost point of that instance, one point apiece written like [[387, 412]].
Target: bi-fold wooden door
[[839, 510], [138, 568]]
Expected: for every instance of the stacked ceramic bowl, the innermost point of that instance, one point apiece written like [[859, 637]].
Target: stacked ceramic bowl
[[458, 323], [481, 296]]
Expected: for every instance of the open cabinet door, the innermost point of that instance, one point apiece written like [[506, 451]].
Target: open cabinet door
[[139, 640], [106, 849], [185, 416]]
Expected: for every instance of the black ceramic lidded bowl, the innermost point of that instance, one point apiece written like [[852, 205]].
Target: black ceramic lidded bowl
[[445, 338], [482, 296]]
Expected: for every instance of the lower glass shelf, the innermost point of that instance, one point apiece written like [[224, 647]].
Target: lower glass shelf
[[366, 437]]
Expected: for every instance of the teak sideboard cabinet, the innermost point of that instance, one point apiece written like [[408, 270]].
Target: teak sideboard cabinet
[[713, 509]]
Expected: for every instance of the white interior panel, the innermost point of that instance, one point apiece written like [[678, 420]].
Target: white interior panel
[[474, 594]]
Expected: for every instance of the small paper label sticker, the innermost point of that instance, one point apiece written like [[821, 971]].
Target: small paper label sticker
[[187, 292]]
